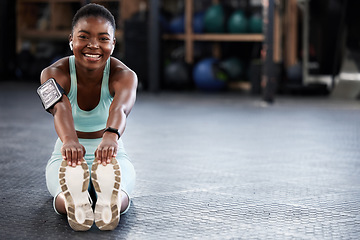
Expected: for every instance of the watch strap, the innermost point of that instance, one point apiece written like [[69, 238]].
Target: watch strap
[[112, 130]]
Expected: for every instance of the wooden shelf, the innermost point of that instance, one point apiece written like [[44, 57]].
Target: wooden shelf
[[103, 1], [41, 34], [50, 1], [217, 37], [65, 1], [244, 86], [54, 34]]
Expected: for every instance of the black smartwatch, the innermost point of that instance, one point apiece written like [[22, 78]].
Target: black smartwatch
[[113, 130]]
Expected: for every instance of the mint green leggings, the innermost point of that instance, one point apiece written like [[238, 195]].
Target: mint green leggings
[[128, 175]]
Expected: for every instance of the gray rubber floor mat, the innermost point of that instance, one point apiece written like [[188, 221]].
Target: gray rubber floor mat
[[209, 166]]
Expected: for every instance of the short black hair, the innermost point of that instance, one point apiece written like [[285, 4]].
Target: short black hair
[[93, 10]]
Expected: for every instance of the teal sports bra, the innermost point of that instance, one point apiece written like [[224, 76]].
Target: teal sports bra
[[95, 119]]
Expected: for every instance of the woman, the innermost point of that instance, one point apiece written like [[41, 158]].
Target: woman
[[99, 93]]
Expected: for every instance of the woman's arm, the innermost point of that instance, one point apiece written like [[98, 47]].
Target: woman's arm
[[123, 85], [72, 150]]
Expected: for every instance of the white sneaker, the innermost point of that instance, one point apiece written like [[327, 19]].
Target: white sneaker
[[106, 181], [74, 182]]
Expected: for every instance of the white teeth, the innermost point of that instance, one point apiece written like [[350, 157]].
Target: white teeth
[[92, 56]]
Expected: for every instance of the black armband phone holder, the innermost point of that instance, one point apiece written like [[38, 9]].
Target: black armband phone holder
[[50, 92]]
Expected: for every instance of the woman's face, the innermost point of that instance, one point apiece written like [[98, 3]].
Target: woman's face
[[93, 42]]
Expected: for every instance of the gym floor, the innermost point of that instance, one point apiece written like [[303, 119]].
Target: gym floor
[[209, 166]]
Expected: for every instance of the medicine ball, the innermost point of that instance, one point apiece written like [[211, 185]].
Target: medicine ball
[[164, 23], [177, 75], [237, 22], [206, 76], [255, 24], [233, 67], [294, 74], [214, 19], [177, 25], [198, 22]]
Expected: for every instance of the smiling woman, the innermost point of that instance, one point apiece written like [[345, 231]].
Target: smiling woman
[[99, 93]]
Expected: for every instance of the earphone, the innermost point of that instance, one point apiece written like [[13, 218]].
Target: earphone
[[112, 50]]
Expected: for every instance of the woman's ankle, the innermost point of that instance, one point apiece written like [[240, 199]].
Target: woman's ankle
[[125, 202], [60, 204]]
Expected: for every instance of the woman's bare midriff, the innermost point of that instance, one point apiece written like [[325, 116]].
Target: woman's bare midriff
[[90, 135]]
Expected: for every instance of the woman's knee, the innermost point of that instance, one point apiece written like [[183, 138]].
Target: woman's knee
[[52, 177]]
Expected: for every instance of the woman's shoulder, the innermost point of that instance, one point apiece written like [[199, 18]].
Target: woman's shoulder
[[116, 64], [59, 70], [119, 70], [121, 76], [60, 65]]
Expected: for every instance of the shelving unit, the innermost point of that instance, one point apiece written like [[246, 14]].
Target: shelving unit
[[189, 36]]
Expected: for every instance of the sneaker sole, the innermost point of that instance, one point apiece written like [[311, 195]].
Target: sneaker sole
[[74, 182], [106, 181]]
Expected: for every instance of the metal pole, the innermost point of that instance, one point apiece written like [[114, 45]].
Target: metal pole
[[153, 47], [305, 44], [269, 78]]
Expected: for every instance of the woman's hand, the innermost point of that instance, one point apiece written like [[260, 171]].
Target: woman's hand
[[73, 152], [107, 149]]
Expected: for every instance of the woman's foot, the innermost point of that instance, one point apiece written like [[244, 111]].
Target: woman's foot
[[74, 182], [106, 181]]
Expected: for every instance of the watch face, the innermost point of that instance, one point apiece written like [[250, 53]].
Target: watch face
[[49, 93]]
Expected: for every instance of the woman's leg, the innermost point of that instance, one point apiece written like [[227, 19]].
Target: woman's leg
[[128, 177], [52, 179]]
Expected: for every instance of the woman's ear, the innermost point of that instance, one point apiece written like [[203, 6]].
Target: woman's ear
[[71, 45], [112, 50], [70, 42]]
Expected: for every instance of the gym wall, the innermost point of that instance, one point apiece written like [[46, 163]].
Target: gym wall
[[7, 41]]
